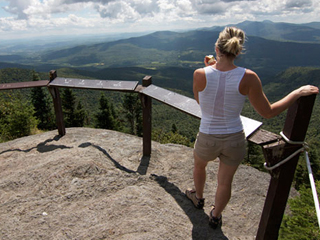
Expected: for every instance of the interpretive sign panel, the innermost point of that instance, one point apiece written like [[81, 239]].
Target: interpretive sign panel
[[94, 84]]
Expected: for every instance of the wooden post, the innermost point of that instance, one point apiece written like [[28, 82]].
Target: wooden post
[[295, 129], [146, 108], [54, 91]]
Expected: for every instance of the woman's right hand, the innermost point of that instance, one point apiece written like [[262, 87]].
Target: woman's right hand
[[307, 90], [208, 60]]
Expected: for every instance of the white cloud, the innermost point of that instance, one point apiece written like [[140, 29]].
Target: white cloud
[[119, 10], [85, 15], [18, 7], [9, 24]]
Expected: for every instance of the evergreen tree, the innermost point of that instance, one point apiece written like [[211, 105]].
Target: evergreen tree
[[16, 117], [42, 107], [80, 116], [73, 113], [68, 107], [133, 111], [302, 222], [255, 156], [118, 123], [159, 135], [174, 128], [106, 117], [302, 175], [139, 120]]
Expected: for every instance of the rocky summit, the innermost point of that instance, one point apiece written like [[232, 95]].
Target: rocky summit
[[96, 184]]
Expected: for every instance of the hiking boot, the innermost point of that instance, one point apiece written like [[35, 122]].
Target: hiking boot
[[214, 222], [198, 203]]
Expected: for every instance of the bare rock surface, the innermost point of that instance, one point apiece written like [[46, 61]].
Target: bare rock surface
[[95, 184]]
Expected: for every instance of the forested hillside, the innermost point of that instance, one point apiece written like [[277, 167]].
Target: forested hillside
[[159, 49]]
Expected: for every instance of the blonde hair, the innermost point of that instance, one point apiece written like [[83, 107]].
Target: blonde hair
[[231, 41]]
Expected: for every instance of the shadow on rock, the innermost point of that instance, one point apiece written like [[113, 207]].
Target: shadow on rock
[[201, 229], [41, 147], [144, 164], [116, 164]]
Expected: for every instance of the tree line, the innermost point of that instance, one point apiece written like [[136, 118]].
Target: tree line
[[21, 116]]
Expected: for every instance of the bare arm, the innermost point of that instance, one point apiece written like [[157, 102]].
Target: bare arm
[[199, 82], [199, 79], [251, 86]]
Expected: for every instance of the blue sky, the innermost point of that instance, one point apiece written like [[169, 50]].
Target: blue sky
[[24, 18]]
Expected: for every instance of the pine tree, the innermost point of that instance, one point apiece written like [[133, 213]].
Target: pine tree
[[80, 116], [159, 135], [133, 111], [106, 117], [301, 223], [73, 112], [68, 106], [42, 107], [174, 128], [16, 117], [255, 156], [302, 175]]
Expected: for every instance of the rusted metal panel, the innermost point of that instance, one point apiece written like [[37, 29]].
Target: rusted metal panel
[[262, 137], [190, 106], [7, 86], [94, 84], [178, 101]]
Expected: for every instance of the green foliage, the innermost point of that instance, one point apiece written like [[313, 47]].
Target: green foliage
[[16, 117], [159, 135], [133, 113], [43, 106], [107, 117], [174, 128], [301, 174], [80, 115], [164, 117], [68, 105], [73, 116], [254, 157], [9, 75], [301, 223]]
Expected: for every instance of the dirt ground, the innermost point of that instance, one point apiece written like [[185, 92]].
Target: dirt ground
[[95, 184]]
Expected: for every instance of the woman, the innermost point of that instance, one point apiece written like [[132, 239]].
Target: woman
[[221, 89]]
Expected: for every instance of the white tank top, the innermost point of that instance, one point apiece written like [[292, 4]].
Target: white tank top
[[221, 102]]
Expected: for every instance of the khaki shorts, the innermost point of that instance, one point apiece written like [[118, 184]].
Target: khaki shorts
[[229, 148]]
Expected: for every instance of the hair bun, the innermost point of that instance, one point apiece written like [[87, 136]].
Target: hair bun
[[230, 41], [233, 46]]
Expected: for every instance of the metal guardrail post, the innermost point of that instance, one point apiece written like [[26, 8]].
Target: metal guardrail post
[[54, 91], [295, 129], [146, 113]]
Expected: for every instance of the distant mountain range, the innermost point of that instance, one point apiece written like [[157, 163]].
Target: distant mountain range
[[308, 32], [270, 49]]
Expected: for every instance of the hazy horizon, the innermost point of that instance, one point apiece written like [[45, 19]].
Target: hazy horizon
[[47, 18]]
